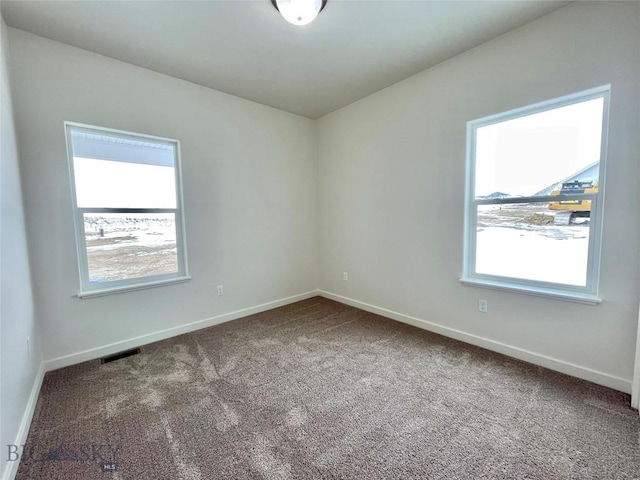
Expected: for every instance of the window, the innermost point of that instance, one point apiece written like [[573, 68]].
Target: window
[[127, 201], [535, 186]]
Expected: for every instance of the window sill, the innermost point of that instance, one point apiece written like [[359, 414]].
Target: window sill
[[129, 288], [535, 291]]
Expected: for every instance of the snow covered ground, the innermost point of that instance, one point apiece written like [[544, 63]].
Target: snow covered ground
[[511, 243], [131, 246]]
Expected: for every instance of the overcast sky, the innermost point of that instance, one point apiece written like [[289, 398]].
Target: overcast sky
[[524, 155], [104, 183]]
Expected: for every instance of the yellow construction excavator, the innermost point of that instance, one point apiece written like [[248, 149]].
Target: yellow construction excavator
[[568, 210], [584, 181]]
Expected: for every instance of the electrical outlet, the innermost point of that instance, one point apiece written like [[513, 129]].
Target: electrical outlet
[[220, 289], [483, 305], [29, 345], [345, 276]]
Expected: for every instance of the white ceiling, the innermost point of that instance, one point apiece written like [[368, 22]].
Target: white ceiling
[[244, 47]]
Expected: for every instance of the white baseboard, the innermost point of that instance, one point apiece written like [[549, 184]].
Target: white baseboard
[[635, 390], [99, 352], [11, 468], [616, 383]]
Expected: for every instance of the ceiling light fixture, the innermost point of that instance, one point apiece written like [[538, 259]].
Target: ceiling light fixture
[[299, 12]]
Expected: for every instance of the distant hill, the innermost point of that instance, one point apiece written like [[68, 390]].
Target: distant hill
[[493, 195]]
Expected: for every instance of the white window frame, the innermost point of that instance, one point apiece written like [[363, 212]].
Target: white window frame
[[116, 286], [587, 294]]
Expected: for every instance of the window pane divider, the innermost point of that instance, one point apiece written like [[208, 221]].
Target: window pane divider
[[126, 210], [545, 199]]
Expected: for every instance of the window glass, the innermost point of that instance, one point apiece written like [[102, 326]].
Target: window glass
[[102, 183], [521, 241], [531, 154], [130, 245]]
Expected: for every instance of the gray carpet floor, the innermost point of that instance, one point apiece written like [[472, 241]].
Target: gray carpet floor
[[317, 389]]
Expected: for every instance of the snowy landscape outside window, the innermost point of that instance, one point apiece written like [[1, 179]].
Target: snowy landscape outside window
[[535, 185], [128, 209]]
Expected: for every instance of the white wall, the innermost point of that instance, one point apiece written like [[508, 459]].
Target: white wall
[[19, 369], [384, 178], [249, 188], [392, 172]]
